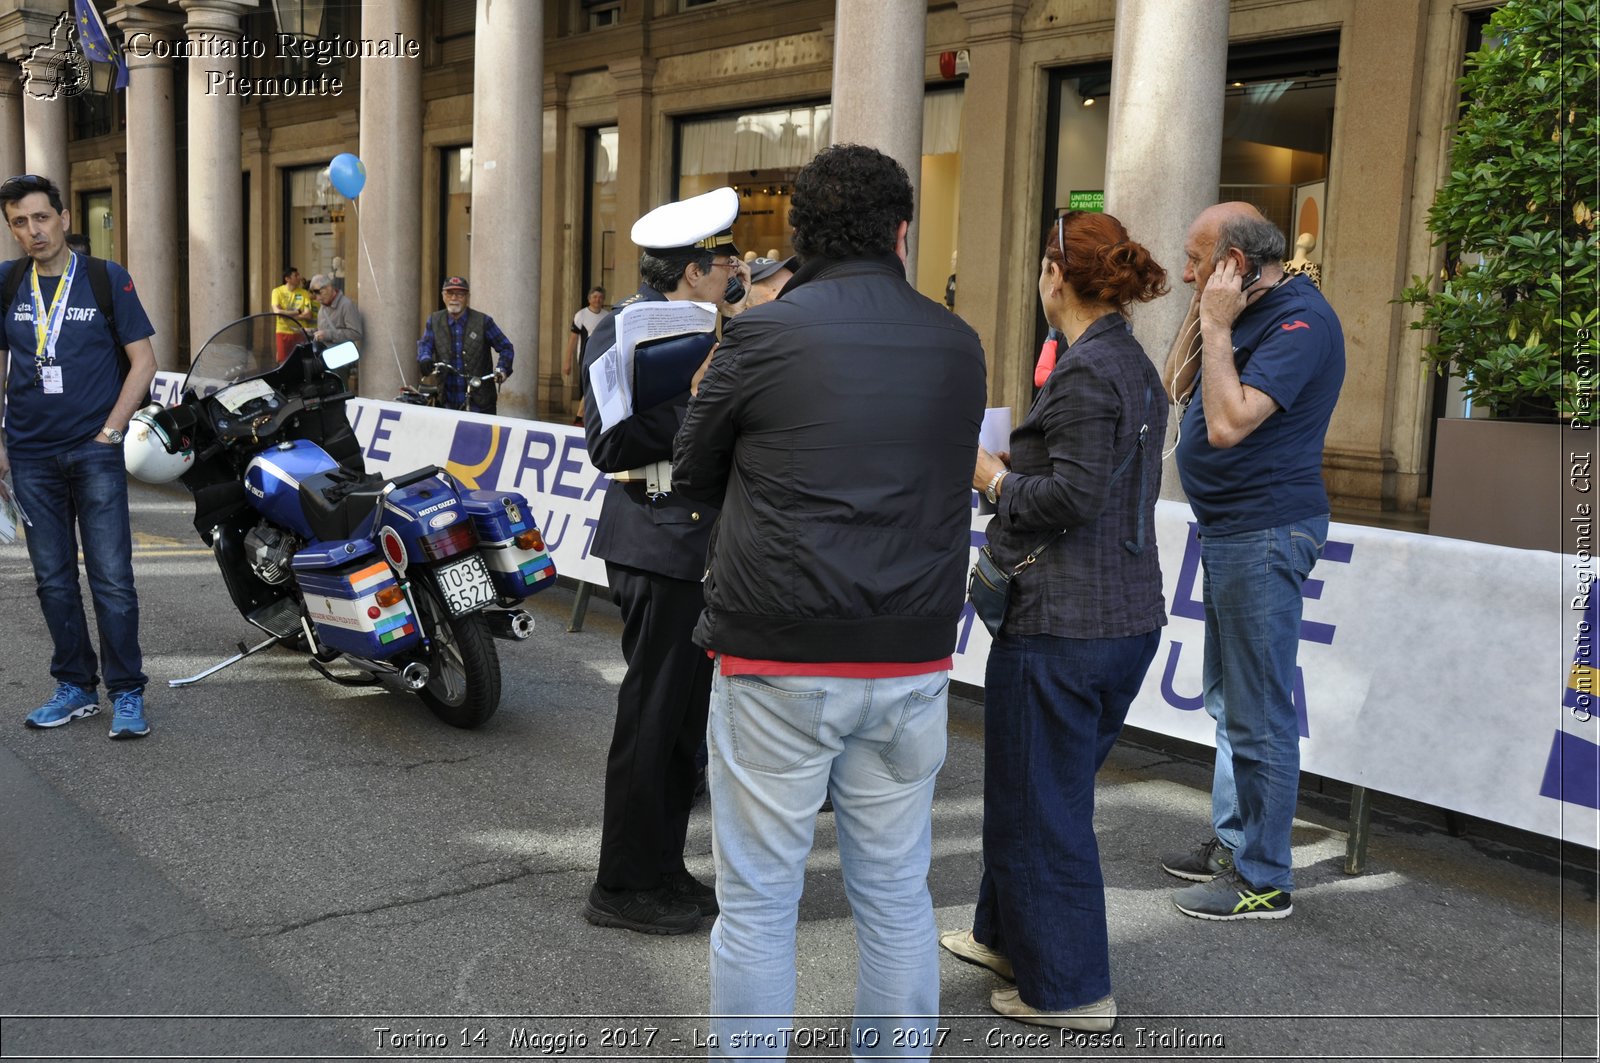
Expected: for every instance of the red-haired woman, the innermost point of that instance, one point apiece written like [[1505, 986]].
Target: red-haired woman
[[1078, 490]]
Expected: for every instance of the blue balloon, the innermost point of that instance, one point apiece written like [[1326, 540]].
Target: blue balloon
[[348, 174]]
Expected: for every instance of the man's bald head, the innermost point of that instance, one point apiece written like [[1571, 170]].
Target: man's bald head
[[1232, 228]]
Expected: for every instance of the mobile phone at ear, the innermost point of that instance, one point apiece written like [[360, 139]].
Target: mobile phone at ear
[[1250, 278]]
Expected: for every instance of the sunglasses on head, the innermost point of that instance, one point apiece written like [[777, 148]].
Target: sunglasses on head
[[30, 181]]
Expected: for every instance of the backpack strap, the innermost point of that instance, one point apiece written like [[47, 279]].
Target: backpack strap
[[100, 284], [8, 294]]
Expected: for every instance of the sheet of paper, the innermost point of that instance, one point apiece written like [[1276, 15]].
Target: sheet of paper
[[651, 320], [611, 375], [612, 389], [11, 515], [995, 437]]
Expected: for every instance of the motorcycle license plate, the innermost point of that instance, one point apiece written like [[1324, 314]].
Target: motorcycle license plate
[[466, 585]]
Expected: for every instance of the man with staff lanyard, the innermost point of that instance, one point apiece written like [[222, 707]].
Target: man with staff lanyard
[[67, 399]]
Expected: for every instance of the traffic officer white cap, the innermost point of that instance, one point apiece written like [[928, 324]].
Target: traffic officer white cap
[[703, 222]]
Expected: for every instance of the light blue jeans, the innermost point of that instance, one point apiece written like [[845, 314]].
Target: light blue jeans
[[1253, 607], [778, 746]]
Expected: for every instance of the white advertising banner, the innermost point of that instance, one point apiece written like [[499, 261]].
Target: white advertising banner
[[1434, 669]]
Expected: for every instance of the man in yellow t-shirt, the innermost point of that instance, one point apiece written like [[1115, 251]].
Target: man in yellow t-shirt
[[291, 300]]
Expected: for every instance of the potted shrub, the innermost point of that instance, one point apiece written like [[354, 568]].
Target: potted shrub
[[1514, 312]]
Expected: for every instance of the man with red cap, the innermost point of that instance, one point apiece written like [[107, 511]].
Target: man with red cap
[[462, 338]]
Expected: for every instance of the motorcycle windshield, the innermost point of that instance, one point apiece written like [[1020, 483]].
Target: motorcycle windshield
[[245, 349]]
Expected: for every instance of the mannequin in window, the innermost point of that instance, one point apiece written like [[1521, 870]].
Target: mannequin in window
[[1301, 262]]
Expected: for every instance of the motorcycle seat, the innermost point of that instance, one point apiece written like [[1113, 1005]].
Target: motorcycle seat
[[339, 502]]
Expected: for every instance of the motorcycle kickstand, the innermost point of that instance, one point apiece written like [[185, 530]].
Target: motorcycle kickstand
[[220, 665]]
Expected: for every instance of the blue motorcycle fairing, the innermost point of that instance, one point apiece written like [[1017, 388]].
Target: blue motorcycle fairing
[[272, 482]]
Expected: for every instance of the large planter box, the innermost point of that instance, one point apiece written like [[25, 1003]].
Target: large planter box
[[1512, 483]]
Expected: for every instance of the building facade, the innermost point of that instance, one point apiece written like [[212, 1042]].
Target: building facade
[[208, 174]]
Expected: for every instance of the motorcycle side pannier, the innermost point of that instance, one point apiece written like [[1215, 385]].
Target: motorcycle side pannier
[[510, 541], [353, 599]]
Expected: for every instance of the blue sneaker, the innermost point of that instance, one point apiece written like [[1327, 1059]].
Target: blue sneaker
[[69, 703], [127, 715]]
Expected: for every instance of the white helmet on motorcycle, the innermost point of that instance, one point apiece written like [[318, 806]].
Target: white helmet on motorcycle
[[145, 453]]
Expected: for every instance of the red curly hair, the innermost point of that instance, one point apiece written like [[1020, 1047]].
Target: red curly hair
[[1101, 262]]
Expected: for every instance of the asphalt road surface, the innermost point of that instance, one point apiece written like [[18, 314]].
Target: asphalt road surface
[[293, 869]]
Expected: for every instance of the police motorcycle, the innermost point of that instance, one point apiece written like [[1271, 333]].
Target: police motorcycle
[[408, 577]]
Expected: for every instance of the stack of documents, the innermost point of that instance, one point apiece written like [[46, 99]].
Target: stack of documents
[[624, 382]]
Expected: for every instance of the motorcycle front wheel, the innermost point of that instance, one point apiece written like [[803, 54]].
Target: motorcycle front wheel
[[463, 670]]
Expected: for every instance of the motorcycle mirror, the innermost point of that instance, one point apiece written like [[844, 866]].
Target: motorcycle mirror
[[341, 355]]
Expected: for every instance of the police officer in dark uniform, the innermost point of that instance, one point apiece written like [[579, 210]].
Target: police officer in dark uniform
[[654, 545]]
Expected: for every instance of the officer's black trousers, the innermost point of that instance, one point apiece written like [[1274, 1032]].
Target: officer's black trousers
[[661, 721]]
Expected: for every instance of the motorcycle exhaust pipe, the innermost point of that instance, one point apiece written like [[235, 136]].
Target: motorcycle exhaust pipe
[[414, 675], [515, 625]]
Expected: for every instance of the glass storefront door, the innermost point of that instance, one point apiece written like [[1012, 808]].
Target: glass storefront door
[[758, 153], [319, 229], [455, 215]]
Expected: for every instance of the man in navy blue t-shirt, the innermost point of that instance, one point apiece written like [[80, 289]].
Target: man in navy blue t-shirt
[[67, 403], [1269, 356]]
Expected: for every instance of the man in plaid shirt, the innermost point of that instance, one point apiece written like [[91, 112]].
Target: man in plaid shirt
[[466, 337]]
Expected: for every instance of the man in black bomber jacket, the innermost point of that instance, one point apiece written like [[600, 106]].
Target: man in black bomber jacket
[[836, 427]]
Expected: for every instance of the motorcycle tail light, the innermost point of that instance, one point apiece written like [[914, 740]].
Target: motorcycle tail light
[[530, 540], [390, 596], [374, 612], [453, 540]]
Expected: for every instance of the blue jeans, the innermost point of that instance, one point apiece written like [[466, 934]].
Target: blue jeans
[[1253, 605], [1053, 708], [83, 491], [779, 745]]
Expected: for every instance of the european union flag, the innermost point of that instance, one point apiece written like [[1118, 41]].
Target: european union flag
[[95, 40]]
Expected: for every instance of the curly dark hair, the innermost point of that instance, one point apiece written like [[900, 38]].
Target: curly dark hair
[[849, 201], [1102, 261]]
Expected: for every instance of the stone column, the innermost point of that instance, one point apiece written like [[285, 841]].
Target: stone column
[[11, 153], [216, 215], [1164, 149], [878, 63], [631, 78], [997, 237], [562, 249], [36, 135], [507, 178], [389, 209], [152, 172], [44, 139], [1378, 441]]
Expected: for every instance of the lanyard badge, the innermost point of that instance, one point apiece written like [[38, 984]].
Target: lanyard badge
[[47, 327]]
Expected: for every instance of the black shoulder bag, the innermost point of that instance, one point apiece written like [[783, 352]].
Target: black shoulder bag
[[989, 586]]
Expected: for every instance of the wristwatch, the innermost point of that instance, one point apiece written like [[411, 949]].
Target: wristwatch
[[111, 434], [992, 492]]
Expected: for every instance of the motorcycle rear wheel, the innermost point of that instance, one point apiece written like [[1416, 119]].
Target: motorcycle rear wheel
[[464, 670]]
